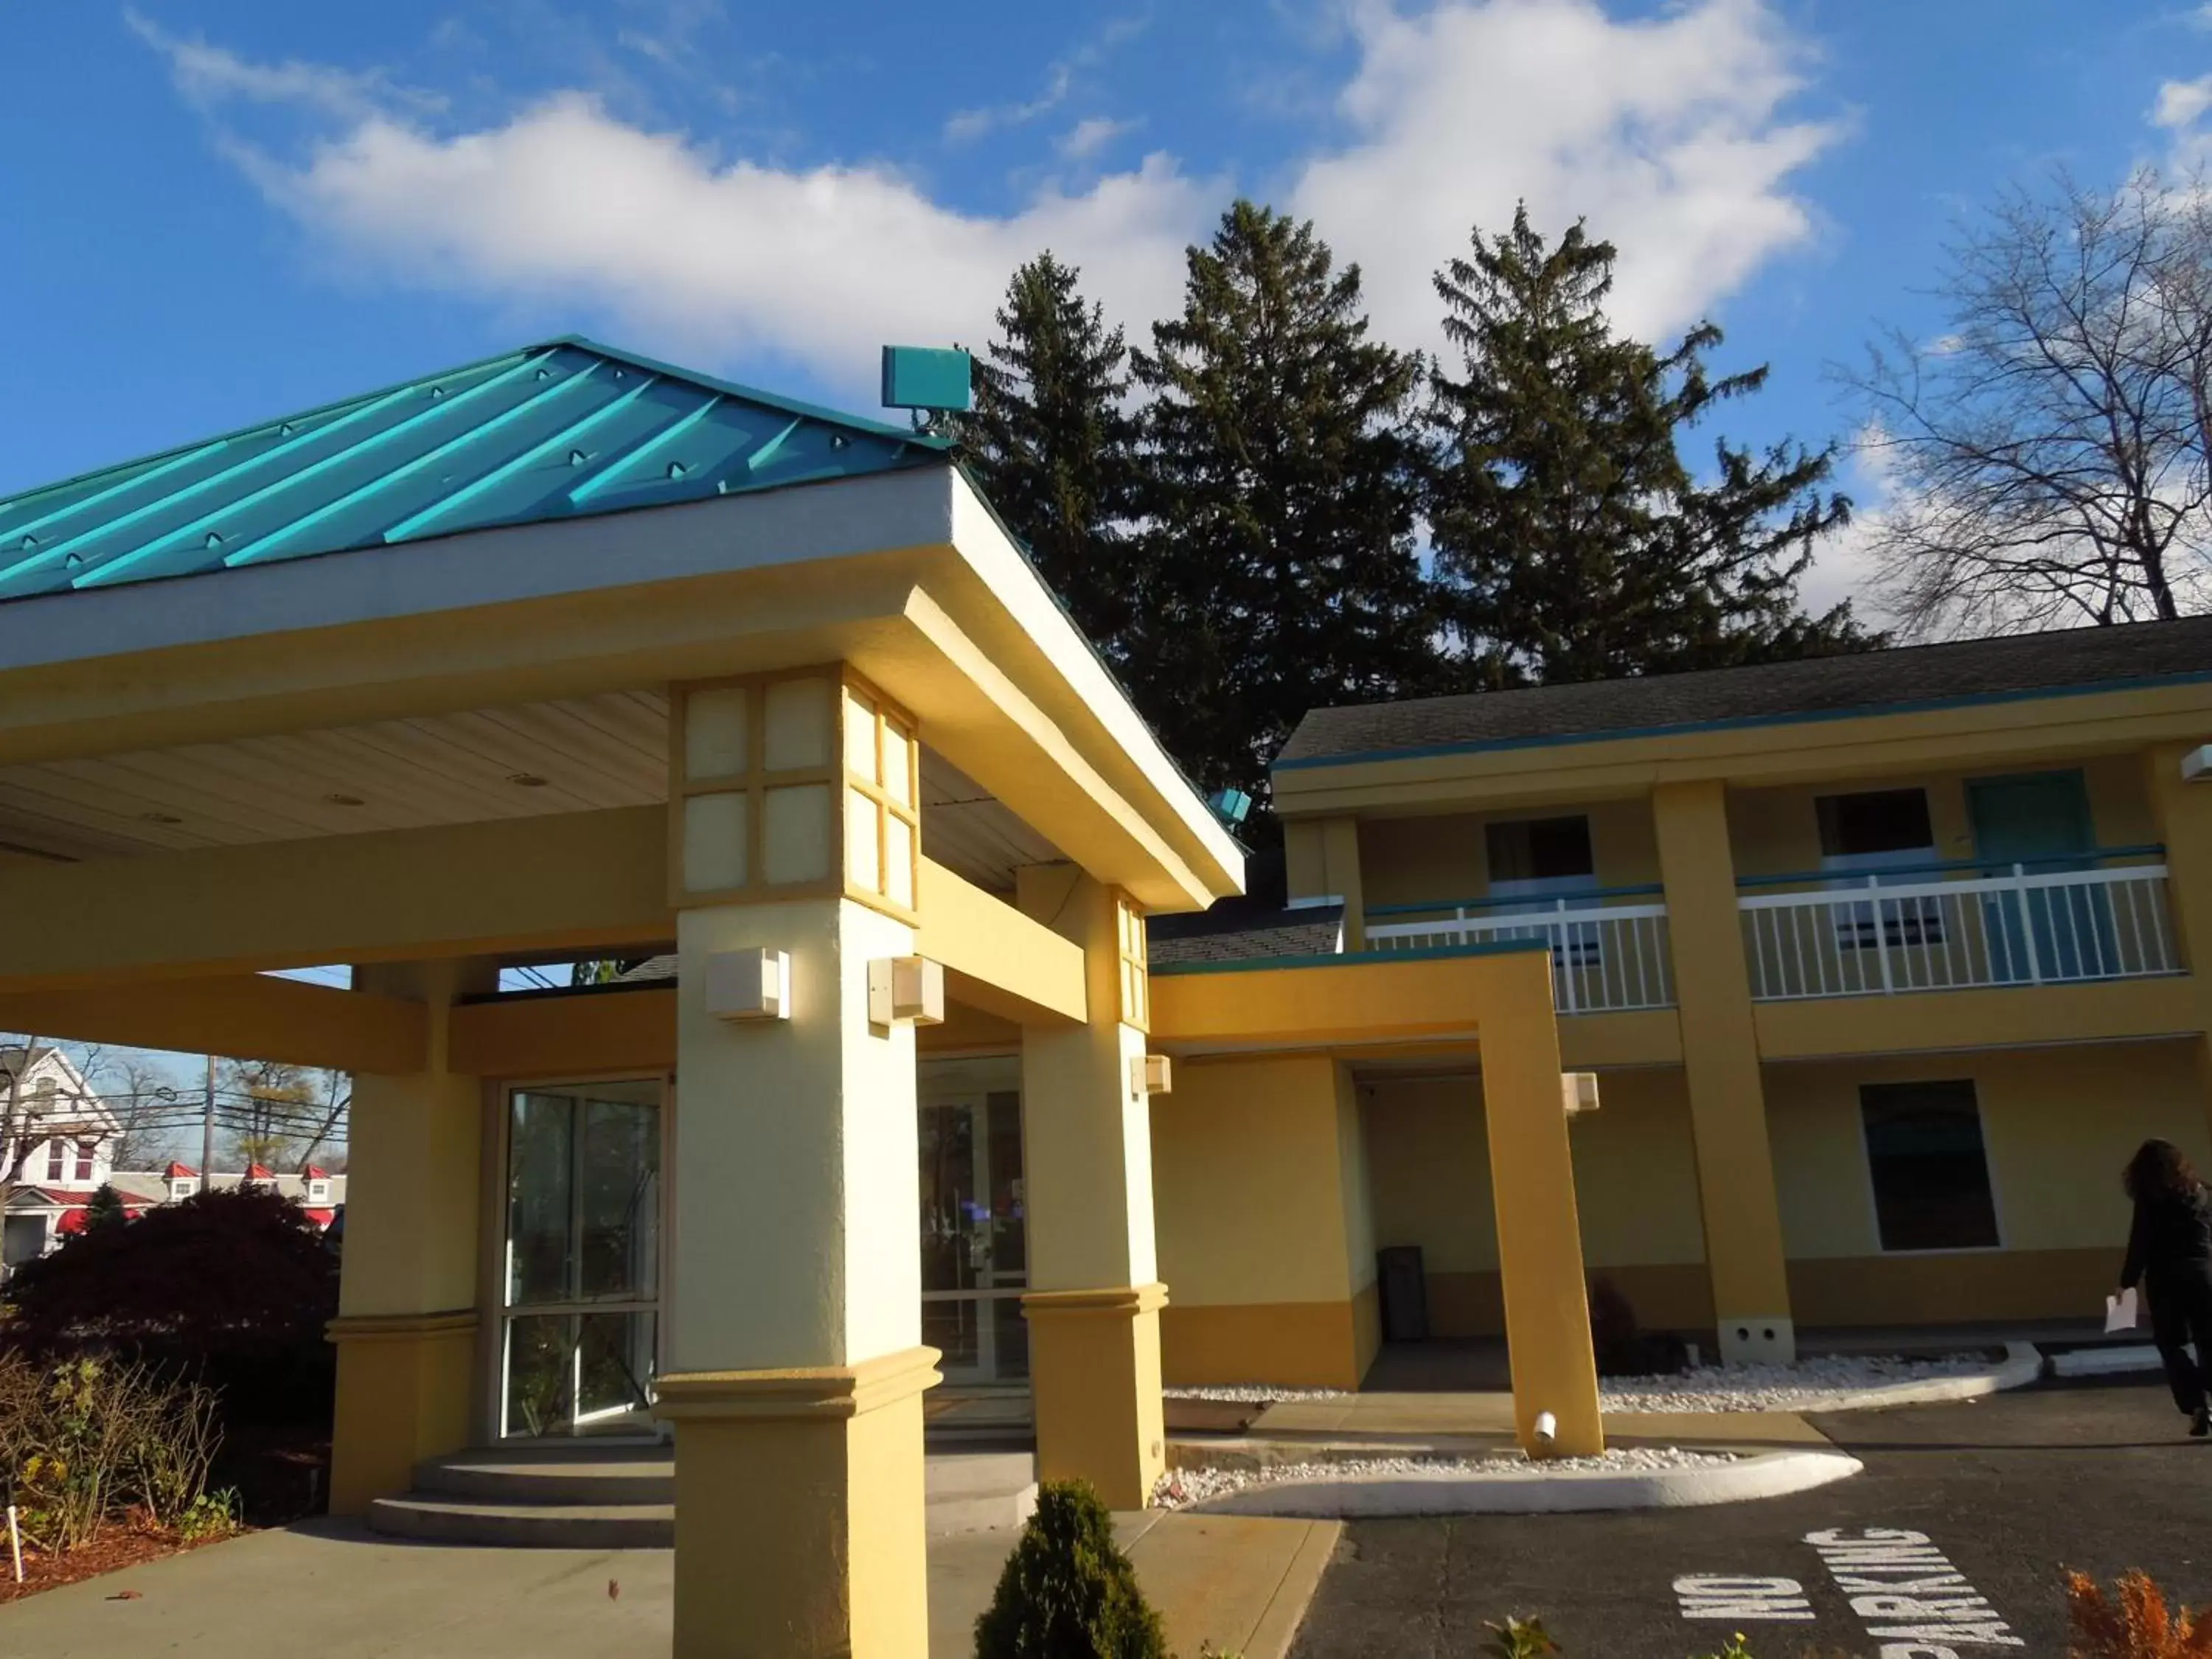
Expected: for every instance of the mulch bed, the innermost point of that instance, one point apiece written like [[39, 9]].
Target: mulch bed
[[118, 1545]]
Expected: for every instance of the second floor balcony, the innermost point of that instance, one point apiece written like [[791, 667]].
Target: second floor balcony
[[1609, 946], [1959, 926]]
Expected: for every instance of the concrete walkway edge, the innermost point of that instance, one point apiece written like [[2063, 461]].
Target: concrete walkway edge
[[1770, 1475], [2022, 1365]]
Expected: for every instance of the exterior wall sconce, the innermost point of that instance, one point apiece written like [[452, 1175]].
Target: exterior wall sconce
[[2197, 764], [1151, 1074], [1579, 1092], [909, 989], [748, 985]]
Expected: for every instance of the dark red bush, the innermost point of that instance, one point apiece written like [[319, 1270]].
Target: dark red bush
[[234, 1287]]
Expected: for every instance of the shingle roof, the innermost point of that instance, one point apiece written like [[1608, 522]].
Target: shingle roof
[[567, 428], [2075, 660], [1238, 930]]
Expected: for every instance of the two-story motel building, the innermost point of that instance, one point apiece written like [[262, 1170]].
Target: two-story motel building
[[1883, 963]]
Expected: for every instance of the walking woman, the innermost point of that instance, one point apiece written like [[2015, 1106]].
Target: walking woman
[[2170, 1254]]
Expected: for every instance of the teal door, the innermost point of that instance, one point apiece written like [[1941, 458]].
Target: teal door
[[2041, 822]]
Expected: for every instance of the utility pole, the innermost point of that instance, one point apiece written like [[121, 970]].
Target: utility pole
[[207, 1131]]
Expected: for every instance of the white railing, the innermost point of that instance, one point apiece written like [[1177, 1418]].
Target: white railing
[[2013, 929], [1604, 958]]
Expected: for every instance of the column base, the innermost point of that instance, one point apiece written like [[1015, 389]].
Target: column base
[[403, 1388], [1095, 1379], [800, 1525], [1758, 1340]]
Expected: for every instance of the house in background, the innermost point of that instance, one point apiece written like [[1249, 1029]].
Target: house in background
[[57, 1172], [318, 1193]]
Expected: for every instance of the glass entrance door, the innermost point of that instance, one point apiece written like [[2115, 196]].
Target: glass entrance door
[[975, 1257], [582, 1294]]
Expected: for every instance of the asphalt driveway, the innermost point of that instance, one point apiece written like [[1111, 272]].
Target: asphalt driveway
[[1952, 1541]]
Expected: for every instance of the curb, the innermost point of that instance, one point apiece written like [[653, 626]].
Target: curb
[[2022, 1365], [2109, 1361], [1770, 1475]]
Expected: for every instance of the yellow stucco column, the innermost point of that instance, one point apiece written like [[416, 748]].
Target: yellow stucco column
[[407, 1325], [1322, 861], [2184, 817], [1540, 1249], [1720, 1056], [794, 1364], [1094, 1298]]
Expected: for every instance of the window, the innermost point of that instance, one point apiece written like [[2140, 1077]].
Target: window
[[1864, 834], [84, 1160], [317, 1191], [1539, 856], [1931, 1177], [57, 1160]]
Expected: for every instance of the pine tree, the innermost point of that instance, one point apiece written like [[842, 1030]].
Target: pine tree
[[104, 1208], [1282, 479], [1053, 446], [1571, 541]]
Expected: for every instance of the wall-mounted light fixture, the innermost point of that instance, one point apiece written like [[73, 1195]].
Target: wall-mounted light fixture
[[905, 989], [1151, 1074], [2197, 764], [1579, 1092], [750, 984]]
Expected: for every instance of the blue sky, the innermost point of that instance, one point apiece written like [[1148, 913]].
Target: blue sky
[[226, 210]]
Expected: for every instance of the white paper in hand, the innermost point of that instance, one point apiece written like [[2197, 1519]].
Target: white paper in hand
[[2120, 1312]]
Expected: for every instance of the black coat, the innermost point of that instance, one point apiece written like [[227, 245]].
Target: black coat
[[2171, 1234]]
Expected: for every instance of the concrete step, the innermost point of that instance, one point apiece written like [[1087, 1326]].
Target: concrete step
[[435, 1518], [586, 1475], [624, 1497]]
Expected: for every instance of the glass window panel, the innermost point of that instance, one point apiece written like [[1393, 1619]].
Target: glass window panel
[[1011, 1333], [539, 1369], [898, 764], [715, 836], [861, 737], [796, 827], [948, 1188], [1540, 849], [797, 715], [949, 1328], [618, 1205], [898, 872], [1874, 822], [540, 1165], [861, 865], [613, 1371], [1930, 1170], [715, 731]]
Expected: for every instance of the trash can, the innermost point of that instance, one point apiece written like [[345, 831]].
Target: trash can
[[1405, 1293]]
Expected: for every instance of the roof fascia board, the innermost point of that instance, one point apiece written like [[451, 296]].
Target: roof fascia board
[[1135, 759], [1968, 732], [1746, 722]]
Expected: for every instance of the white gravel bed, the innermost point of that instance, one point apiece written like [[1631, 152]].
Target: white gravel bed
[[1264, 1394], [1181, 1488], [1778, 1388]]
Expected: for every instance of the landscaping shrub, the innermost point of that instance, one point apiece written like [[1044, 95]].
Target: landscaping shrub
[[1068, 1592], [2134, 1623], [1519, 1638], [1623, 1349], [85, 1442], [232, 1289]]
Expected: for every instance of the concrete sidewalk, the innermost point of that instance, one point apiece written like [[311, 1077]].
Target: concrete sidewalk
[[1479, 1425], [1243, 1582]]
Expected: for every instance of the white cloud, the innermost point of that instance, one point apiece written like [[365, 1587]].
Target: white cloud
[[1847, 566], [2181, 102], [1669, 134], [1087, 138], [209, 76], [1666, 134]]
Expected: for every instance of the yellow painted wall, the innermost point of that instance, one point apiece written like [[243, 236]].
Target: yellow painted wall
[[1417, 860], [2056, 1124], [1776, 831], [1266, 1236], [1248, 1191]]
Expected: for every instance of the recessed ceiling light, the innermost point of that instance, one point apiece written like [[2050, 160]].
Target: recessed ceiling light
[[525, 779], [345, 801], [161, 817]]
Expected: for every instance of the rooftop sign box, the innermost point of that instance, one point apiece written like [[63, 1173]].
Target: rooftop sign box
[[928, 379]]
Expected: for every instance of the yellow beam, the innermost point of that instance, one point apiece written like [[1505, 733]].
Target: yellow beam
[[1931, 1021], [995, 958], [250, 1016], [581, 879], [577, 1036], [1257, 1007]]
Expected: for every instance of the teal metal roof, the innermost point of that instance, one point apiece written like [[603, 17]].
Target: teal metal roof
[[565, 429]]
